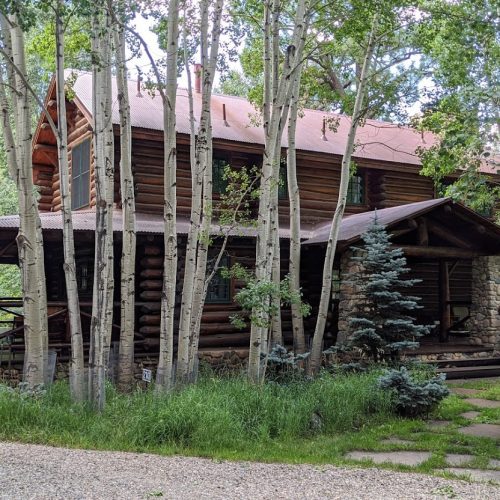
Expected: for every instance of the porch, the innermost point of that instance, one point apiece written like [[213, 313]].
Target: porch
[[454, 252]]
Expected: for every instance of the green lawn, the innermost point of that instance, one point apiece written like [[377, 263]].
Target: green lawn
[[230, 419]]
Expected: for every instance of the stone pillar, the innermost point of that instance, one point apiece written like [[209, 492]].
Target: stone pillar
[[485, 307], [349, 296]]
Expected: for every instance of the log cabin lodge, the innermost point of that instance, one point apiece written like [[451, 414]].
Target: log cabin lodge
[[454, 251]]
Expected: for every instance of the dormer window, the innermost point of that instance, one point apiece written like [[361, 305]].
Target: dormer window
[[80, 175], [356, 190]]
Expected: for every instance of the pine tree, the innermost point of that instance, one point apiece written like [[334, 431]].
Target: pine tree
[[383, 327]]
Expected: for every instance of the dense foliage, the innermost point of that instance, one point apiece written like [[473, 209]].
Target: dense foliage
[[413, 397], [213, 415]]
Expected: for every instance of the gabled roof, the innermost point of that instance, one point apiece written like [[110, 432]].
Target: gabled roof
[[353, 226], [378, 140]]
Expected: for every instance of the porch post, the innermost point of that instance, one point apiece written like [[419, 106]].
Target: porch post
[[485, 305], [349, 292], [444, 301]]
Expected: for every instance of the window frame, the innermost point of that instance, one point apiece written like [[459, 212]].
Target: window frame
[[225, 262], [363, 183], [215, 191], [80, 144]]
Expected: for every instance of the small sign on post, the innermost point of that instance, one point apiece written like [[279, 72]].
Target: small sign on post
[[146, 375]]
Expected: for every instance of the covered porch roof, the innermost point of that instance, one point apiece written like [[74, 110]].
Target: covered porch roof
[[439, 227], [435, 226]]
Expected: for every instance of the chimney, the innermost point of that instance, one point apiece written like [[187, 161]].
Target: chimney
[[197, 78]]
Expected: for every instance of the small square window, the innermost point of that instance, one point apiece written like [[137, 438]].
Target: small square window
[[356, 190], [219, 288]]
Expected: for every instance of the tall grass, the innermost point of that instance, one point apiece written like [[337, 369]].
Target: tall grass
[[211, 416]]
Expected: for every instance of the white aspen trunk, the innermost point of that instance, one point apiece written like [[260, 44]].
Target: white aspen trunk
[[77, 359], [299, 343], [126, 350], [186, 313], [275, 116], [102, 304], [326, 288], [188, 345], [29, 239], [277, 333], [165, 363]]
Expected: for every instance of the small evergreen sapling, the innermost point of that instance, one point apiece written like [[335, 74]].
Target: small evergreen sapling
[[382, 326], [413, 398]]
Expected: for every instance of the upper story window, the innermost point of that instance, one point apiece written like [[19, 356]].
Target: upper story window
[[219, 183], [283, 184], [356, 190], [80, 175]]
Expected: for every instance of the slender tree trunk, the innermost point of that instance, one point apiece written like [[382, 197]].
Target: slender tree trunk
[[102, 305], [188, 344], [29, 239], [165, 363], [326, 289], [126, 352], [299, 342], [275, 111], [77, 360]]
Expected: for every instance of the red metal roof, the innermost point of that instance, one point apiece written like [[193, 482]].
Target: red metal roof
[[85, 220], [377, 140], [354, 226], [351, 229]]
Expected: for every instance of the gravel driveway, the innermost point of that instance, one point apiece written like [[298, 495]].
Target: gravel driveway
[[34, 472]]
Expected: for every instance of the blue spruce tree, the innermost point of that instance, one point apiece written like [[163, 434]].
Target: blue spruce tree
[[382, 326]]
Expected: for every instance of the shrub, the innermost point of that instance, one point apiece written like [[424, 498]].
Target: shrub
[[284, 366], [413, 397]]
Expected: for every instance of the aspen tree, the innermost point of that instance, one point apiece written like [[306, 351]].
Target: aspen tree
[[75, 326], [165, 363], [102, 304], [29, 239], [299, 343], [127, 285], [277, 93], [195, 277], [326, 288]]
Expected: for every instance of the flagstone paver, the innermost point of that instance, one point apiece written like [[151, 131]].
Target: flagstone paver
[[457, 459], [394, 457], [438, 424], [470, 414], [476, 474], [395, 440], [494, 464], [483, 403], [481, 430], [465, 392]]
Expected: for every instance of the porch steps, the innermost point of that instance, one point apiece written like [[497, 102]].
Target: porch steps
[[468, 368]]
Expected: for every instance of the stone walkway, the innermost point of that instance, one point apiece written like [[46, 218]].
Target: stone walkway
[[456, 463]]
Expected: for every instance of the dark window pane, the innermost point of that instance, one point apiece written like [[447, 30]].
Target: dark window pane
[[80, 175], [218, 181], [356, 190], [219, 288], [283, 184]]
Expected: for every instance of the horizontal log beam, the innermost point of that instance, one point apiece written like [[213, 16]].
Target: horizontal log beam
[[439, 252]]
